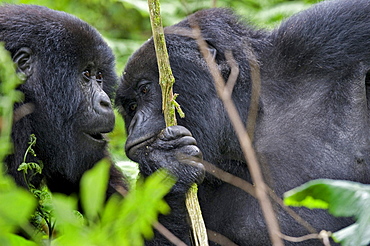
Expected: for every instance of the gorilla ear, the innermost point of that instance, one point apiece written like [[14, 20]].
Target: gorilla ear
[[23, 59]]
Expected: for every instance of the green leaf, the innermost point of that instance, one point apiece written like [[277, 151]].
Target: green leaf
[[150, 196], [342, 199], [16, 207], [140, 206], [357, 234], [65, 208], [94, 185], [70, 224], [9, 239]]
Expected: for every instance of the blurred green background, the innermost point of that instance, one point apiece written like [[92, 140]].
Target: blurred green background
[[125, 25]]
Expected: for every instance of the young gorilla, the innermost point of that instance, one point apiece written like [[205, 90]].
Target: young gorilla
[[313, 120], [69, 79], [69, 72]]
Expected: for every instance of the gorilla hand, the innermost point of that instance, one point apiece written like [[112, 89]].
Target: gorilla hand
[[174, 149]]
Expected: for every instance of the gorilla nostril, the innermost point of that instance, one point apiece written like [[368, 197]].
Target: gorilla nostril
[[105, 104]]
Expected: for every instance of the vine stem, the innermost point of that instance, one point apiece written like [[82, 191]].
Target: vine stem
[[169, 107]]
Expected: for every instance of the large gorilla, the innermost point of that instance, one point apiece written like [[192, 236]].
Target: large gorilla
[[69, 79], [313, 116]]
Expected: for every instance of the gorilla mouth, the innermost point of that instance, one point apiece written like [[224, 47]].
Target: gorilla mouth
[[97, 134], [96, 137]]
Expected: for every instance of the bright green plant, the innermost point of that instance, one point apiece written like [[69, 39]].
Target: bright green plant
[[33, 167], [119, 221], [341, 199], [41, 218], [8, 95], [16, 205]]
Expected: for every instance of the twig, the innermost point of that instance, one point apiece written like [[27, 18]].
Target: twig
[[166, 79], [255, 94], [169, 235], [219, 238], [23, 111], [229, 178], [323, 235], [247, 187]]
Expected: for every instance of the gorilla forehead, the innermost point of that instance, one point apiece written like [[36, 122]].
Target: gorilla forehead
[[56, 31], [87, 41], [216, 26], [142, 65], [139, 69]]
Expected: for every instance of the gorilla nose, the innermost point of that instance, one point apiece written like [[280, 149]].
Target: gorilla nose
[[102, 104]]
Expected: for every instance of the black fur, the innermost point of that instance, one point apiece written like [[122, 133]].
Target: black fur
[[313, 120], [70, 111]]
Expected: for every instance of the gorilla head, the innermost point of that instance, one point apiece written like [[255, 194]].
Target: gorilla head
[[313, 116], [69, 76]]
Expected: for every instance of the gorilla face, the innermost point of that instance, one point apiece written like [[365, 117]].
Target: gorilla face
[[70, 77], [139, 95]]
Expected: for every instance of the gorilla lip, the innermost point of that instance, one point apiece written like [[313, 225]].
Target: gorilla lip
[[97, 137]]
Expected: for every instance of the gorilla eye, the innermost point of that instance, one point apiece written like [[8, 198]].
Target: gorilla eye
[[144, 89], [86, 74], [132, 106], [99, 77]]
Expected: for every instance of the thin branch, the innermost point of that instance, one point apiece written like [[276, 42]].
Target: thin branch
[[229, 178], [169, 235], [291, 212], [323, 236], [166, 81], [300, 239], [231, 81], [245, 186], [256, 90], [23, 111], [219, 238]]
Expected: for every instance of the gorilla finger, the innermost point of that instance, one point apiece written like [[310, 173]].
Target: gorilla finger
[[189, 150], [174, 132], [192, 170], [173, 144]]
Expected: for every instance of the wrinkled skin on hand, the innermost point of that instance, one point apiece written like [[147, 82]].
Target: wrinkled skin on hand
[[173, 149]]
